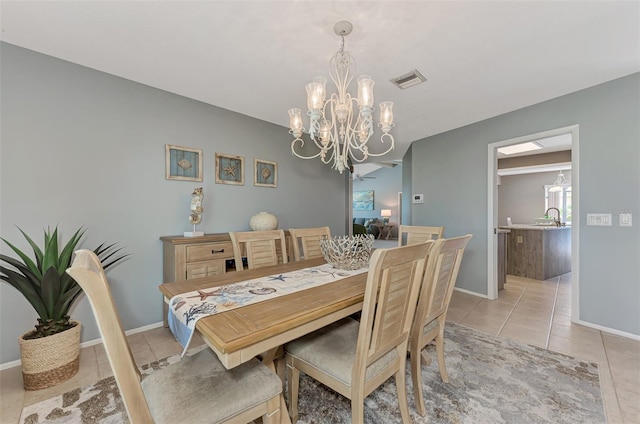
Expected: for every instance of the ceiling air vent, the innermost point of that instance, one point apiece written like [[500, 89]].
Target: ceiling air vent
[[409, 79]]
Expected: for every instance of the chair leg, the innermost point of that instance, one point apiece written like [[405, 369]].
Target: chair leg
[[273, 411], [440, 350], [401, 386], [426, 359], [416, 376], [357, 407], [292, 393]]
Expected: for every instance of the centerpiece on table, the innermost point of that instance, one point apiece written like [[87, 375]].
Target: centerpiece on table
[[347, 252]]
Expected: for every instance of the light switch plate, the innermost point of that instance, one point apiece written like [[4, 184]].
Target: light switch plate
[[599, 219], [625, 219]]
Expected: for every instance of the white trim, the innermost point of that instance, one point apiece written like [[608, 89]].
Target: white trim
[[575, 224], [492, 224], [142, 329], [11, 364], [484, 296], [608, 330]]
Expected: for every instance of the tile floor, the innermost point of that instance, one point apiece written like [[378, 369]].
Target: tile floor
[[530, 311]]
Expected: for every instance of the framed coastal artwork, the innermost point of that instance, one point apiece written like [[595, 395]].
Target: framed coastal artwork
[[229, 169], [265, 173], [363, 200], [183, 163]]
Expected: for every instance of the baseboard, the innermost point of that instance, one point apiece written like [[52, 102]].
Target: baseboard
[[609, 330], [484, 296], [142, 329]]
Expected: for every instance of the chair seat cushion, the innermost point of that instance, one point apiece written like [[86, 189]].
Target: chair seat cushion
[[199, 389], [332, 350]]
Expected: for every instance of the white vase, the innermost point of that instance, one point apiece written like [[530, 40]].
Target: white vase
[[263, 221]]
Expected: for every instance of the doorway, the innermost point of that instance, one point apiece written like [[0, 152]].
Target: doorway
[[492, 213]]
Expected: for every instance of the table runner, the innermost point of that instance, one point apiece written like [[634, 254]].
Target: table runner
[[187, 308]]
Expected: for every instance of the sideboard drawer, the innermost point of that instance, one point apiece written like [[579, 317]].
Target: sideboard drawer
[[206, 269], [208, 251]]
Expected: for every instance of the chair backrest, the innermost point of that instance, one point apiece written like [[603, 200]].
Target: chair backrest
[[418, 234], [87, 270], [259, 246], [439, 280], [390, 299], [309, 238]]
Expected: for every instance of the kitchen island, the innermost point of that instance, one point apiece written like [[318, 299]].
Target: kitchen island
[[538, 251]]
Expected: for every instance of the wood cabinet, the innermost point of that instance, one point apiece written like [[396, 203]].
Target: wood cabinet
[[184, 258], [539, 253], [502, 258]]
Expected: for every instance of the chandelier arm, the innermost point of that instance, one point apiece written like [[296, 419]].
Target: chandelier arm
[[293, 150], [382, 140]]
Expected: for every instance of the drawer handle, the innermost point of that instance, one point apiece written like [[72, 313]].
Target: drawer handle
[[217, 251]]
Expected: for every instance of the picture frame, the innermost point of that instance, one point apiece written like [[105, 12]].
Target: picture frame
[[265, 173], [363, 200], [183, 163], [229, 169]]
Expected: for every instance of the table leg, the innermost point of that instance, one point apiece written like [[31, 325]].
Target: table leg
[[274, 360], [165, 311]]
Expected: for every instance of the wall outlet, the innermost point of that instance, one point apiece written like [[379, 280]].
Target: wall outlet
[[625, 219], [599, 219]]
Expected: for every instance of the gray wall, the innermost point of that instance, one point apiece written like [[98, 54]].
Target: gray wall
[[521, 197], [81, 147], [453, 176]]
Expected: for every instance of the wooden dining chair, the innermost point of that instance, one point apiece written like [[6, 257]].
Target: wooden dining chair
[[439, 280], [354, 358], [418, 234], [196, 389], [309, 238], [260, 248]]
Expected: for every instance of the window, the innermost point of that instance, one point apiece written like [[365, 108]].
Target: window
[[559, 199]]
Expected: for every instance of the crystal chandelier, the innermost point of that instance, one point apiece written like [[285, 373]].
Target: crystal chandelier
[[341, 125]]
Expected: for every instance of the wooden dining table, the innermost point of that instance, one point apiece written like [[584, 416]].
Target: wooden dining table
[[262, 328]]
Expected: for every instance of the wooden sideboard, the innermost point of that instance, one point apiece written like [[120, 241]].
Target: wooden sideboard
[[184, 258]]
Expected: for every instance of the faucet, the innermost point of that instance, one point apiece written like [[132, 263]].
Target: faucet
[[557, 221]]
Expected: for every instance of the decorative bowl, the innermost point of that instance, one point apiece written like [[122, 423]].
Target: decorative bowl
[[347, 252]]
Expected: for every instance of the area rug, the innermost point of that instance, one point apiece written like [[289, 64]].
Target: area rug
[[491, 380]]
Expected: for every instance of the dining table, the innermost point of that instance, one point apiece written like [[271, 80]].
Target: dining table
[[261, 329]]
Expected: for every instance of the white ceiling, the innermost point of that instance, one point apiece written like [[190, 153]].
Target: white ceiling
[[481, 58]]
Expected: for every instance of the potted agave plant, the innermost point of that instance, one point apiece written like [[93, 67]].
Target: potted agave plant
[[50, 354]]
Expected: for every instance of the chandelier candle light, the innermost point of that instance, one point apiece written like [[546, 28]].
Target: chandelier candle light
[[341, 125]]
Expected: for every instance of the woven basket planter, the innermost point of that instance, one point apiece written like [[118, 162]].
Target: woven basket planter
[[48, 361]]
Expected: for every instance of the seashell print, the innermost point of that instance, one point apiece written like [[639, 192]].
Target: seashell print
[[263, 291], [184, 164], [179, 305], [266, 173]]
